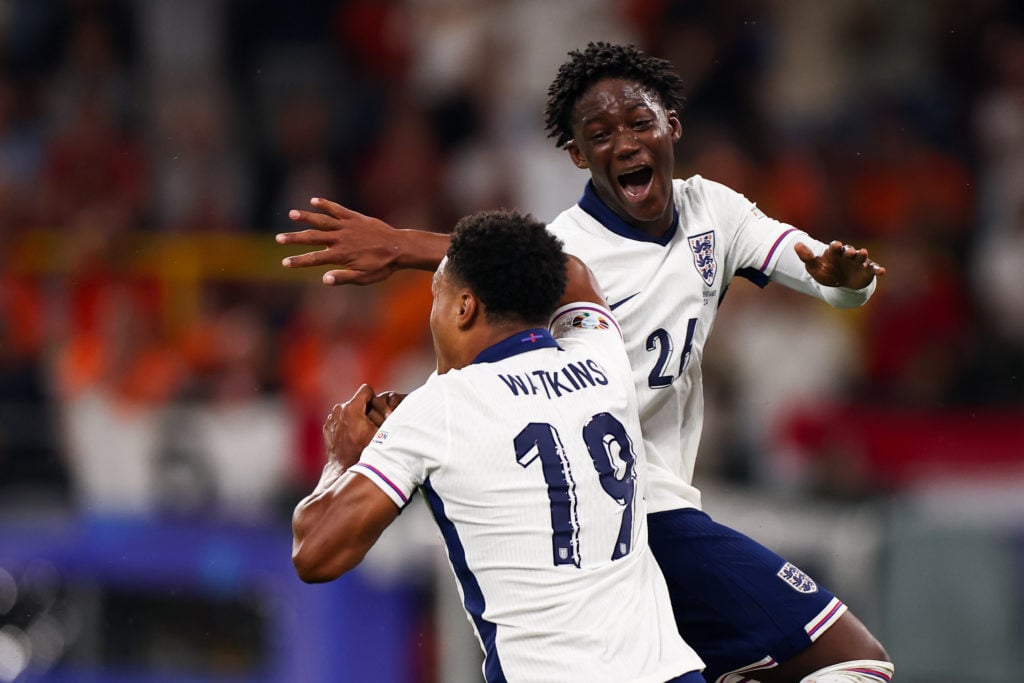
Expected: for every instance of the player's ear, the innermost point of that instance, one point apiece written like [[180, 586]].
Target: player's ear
[[675, 125], [469, 308], [576, 155]]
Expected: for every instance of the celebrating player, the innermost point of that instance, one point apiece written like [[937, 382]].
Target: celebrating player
[[664, 251], [527, 447]]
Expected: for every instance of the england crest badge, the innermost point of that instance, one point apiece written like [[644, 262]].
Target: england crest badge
[[796, 579], [703, 248]]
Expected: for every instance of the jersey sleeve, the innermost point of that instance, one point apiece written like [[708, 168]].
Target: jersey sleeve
[[595, 326], [755, 240], [410, 445]]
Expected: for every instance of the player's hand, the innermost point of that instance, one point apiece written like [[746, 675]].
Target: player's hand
[[840, 265], [382, 405], [366, 248], [348, 428]]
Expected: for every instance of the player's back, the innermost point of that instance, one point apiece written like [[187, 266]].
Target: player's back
[[539, 496]]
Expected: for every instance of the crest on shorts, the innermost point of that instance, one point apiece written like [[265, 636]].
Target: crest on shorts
[[703, 248], [590, 321], [796, 579]]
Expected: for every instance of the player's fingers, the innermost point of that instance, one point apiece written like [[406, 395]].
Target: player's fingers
[[803, 252], [360, 401], [875, 268], [393, 398], [322, 257], [332, 420], [304, 237], [380, 409], [333, 208], [343, 277], [314, 219], [376, 416]]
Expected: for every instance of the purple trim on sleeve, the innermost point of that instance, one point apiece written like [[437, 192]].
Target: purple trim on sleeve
[[771, 252], [363, 465]]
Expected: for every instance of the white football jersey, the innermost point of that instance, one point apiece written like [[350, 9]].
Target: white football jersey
[[532, 463], [665, 295]]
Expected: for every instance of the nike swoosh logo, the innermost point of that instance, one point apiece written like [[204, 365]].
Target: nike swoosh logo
[[619, 303]]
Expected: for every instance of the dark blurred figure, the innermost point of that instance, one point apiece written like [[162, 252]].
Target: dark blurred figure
[[32, 472]]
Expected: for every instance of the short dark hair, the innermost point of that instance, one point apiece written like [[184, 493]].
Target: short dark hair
[[511, 262], [605, 60]]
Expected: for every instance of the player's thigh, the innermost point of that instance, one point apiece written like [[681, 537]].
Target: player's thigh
[[735, 601]]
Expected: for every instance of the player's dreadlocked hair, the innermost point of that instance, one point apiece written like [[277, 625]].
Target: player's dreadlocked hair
[[599, 61], [511, 262]]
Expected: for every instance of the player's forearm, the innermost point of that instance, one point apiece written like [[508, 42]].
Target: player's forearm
[[335, 526], [420, 250], [308, 520]]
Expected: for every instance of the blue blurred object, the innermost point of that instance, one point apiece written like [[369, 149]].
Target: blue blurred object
[[112, 600]]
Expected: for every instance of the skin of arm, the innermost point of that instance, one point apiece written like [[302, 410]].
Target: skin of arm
[[368, 249], [335, 525], [581, 285]]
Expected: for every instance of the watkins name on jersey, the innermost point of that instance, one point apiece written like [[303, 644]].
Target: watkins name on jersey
[[572, 377]]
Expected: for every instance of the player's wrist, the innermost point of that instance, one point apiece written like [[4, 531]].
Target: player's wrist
[[418, 250]]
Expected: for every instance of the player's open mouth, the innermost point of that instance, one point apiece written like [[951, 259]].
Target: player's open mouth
[[635, 184]]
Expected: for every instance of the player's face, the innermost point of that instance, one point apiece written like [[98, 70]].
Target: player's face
[[443, 314], [625, 137]]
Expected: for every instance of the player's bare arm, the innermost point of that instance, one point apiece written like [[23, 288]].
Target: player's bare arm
[[367, 249], [840, 265], [581, 284], [335, 525]]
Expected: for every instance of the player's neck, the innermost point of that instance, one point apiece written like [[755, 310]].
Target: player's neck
[[483, 336]]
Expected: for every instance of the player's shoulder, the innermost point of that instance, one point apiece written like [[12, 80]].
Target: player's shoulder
[[575, 222], [587, 328], [700, 190]]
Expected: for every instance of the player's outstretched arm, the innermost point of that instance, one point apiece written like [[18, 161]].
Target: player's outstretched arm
[[840, 265], [367, 249], [335, 525]]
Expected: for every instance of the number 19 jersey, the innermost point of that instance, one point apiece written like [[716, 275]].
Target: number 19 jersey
[[532, 463]]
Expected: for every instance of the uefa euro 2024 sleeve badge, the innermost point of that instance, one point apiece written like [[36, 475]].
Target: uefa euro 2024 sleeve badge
[[588, 320], [703, 248]]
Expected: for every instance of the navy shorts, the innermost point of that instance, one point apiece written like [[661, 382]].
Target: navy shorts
[[692, 677], [738, 604]]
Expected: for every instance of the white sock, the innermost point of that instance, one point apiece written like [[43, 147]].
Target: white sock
[[857, 671]]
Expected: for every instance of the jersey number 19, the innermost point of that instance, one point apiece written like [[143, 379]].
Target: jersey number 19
[[606, 439]]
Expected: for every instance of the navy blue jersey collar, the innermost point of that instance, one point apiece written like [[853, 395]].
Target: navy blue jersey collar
[[593, 205], [520, 342]]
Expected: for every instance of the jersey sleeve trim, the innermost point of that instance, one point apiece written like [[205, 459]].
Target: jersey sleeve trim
[[775, 246], [381, 480]]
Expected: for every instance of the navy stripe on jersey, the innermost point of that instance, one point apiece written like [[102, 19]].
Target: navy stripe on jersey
[[593, 205], [754, 275], [473, 595], [520, 342]]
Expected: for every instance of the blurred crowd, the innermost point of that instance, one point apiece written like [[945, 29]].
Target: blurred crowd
[[155, 359]]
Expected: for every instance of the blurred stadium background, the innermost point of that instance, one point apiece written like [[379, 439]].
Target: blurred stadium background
[[163, 380]]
